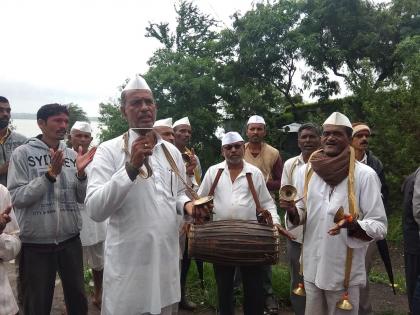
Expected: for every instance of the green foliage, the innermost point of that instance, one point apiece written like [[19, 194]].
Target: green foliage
[[382, 277], [111, 122]]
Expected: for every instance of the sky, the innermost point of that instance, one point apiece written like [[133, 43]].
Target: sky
[[81, 51]]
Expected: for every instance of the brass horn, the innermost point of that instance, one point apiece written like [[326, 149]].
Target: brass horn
[[186, 157], [288, 193]]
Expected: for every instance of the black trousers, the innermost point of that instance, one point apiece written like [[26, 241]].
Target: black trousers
[[252, 282], [412, 271], [38, 266]]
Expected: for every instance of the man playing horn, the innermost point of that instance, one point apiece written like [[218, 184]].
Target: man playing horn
[[309, 140], [338, 189], [141, 272]]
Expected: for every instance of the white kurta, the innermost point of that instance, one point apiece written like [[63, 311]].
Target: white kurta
[[294, 175], [9, 248], [234, 200], [324, 255], [141, 272], [92, 232]]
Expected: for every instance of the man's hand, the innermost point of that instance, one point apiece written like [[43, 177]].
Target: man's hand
[[4, 168], [57, 160], [141, 147], [201, 213], [347, 222], [192, 164], [5, 218], [284, 232], [83, 160], [264, 217]]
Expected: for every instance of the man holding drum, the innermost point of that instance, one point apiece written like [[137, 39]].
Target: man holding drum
[[234, 200]]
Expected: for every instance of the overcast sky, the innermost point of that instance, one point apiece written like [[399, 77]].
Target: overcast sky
[[80, 51]]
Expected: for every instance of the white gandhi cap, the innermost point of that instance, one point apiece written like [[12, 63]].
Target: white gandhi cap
[[182, 121], [338, 119], [166, 122], [82, 126], [231, 137]]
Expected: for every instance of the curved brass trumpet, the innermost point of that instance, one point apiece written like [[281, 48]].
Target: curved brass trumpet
[[186, 157], [288, 193]]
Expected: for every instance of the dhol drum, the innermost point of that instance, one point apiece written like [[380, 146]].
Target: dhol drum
[[234, 242]]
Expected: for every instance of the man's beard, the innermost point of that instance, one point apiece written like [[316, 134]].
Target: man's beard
[[4, 123]]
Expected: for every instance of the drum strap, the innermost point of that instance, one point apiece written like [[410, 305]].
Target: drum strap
[[216, 180], [254, 193]]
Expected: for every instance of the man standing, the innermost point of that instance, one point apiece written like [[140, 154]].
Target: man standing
[[309, 140], [46, 181], [339, 189], [93, 233], [233, 200], [360, 143], [411, 233], [132, 183], [268, 160], [164, 128], [9, 140], [183, 132]]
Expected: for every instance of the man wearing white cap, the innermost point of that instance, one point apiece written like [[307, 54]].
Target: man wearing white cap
[[360, 142], [93, 233], [132, 182], [183, 131], [164, 128], [343, 212], [233, 200], [268, 160]]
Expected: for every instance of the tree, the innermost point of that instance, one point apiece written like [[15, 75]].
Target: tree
[[111, 122], [182, 75]]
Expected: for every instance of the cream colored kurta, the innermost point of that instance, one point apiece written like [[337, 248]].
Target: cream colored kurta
[[92, 232], [324, 255], [9, 248], [294, 175], [234, 200], [141, 272]]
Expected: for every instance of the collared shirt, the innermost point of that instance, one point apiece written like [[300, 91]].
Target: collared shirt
[[234, 200], [324, 255], [141, 272], [9, 248], [293, 175]]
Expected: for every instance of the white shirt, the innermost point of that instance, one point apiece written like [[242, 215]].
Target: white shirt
[[9, 248], [234, 200], [141, 272], [293, 175], [92, 232], [324, 255]]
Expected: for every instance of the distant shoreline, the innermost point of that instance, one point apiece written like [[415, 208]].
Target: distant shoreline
[[33, 116]]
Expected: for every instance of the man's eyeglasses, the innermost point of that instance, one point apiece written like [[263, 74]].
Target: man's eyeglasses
[[230, 146]]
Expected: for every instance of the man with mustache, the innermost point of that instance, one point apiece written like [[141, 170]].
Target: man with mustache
[[233, 200], [9, 139], [132, 182], [268, 160], [46, 181], [183, 132], [309, 140], [360, 143], [342, 212]]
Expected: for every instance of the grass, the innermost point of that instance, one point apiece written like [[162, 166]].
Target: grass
[[382, 277], [207, 299]]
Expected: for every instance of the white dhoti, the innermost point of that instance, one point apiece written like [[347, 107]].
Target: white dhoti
[[93, 256]]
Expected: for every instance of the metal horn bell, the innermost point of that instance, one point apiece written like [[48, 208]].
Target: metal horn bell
[[344, 304], [288, 193], [299, 290]]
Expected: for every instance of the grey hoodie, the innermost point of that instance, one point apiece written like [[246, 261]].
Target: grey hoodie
[[46, 212]]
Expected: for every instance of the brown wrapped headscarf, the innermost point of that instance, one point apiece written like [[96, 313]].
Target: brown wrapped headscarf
[[332, 169]]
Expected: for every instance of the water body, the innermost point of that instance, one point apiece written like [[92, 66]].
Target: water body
[[29, 128]]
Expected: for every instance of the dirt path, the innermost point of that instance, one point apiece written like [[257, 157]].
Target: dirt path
[[383, 300]]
